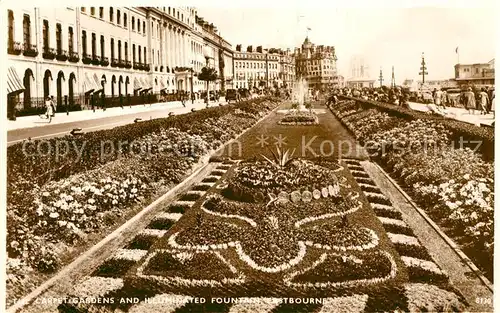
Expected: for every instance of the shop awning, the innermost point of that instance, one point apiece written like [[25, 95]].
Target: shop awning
[[14, 84], [137, 84], [88, 84], [146, 85], [98, 86]]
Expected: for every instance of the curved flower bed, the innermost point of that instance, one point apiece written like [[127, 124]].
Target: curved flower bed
[[54, 204], [454, 185], [299, 118]]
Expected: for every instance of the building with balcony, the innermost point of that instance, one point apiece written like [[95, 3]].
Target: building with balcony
[[80, 54], [317, 65], [257, 68], [477, 74]]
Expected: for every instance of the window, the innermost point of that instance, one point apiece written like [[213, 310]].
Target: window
[[477, 70], [182, 17], [83, 9], [11, 28], [158, 59], [102, 46], [125, 20], [118, 17], [145, 58], [84, 42], [92, 11], [70, 39], [133, 53], [133, 23], [101, 12], [119, 50], [45, 35], [112, 48], [168, 10], [152, 30], [58, 38], [139, 50], [94, 43], [126, 51], [111, 16], [27, 30], [173, 11], [139, 25], [144, 27], [153, 56]]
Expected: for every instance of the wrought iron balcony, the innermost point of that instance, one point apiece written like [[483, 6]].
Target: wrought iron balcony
[[114, 62], [14, 48], [62, 55], [96, 60], [30, 50], [73, 57], [104, 61], [146, 67], [49, 53], [121, 63], [128, 64], [86, 59]]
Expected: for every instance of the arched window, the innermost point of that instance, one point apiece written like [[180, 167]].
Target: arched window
[[102, 46], [139, 50], [45, 34], [126, 51], [119, 50], [139, 25], [28, 79], [27, 31], [133, 23], [144, 27], [111, 16], [11, 29], [125, 20], [118, 17], [145, 56]]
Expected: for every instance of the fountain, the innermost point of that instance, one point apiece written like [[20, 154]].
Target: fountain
[[301, 112]]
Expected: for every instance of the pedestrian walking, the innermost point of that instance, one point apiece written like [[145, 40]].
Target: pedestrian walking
[[121, 101], [469, 100], [49, 111], [183, 98], [438, 98], [483, 101], [53, 105]]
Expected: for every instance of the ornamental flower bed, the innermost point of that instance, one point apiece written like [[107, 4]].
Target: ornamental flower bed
[[455, 186], [47, 213], [299, 118], [329, 246]]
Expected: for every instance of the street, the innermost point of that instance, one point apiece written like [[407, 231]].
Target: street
[[62, 124]]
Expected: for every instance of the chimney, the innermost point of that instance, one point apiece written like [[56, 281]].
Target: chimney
[[238, 48], [249, 49], [259, 49]]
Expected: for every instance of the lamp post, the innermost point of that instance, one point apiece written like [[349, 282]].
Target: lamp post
[[207, 55]]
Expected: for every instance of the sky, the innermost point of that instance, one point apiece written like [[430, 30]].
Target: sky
[[383, 37]]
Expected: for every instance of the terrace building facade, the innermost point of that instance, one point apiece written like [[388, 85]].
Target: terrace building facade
[[478, 74], [256, 68], [79, 54]]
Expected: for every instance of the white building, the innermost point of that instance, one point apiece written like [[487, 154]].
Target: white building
[[73, 53], [256, 68]]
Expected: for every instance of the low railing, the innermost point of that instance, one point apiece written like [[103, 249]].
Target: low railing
[[114, 62], [96, 60], [104, 61]]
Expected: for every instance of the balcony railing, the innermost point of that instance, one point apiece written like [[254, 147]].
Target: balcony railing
[[30, 50], [146, 67], [128, 64], [104, 61], [14, 48], [86, 59], [62, 55], [121, 63], [96, 60], [114, 62], [137, 66], [49, 53], [73, 57]]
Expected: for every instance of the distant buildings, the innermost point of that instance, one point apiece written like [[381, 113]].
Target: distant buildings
[[317, 65], [257, 68], [359, 74], [478, 74]]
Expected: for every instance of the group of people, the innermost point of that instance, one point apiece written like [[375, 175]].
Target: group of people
[[480, 100]]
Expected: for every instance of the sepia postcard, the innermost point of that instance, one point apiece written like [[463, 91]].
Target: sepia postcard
[[257, 158]]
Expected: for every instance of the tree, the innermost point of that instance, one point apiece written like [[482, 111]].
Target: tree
[[207, 74]]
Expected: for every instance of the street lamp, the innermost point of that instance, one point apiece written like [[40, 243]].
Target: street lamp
[[207, 53]]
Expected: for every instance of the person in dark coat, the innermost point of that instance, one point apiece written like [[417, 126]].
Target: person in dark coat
[[470, 100]]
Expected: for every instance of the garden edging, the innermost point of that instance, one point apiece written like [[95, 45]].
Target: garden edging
[[448, 240], [203, 166]]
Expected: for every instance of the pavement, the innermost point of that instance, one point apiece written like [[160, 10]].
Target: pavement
[[460, 114], [35, 127]]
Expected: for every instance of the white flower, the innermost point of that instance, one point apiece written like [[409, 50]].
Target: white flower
[[134, 190], [54, 215], [91, 201], [45, 194]]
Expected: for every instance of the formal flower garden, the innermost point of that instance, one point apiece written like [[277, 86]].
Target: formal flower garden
[[453, 184], [322, 235], [57, 202]]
